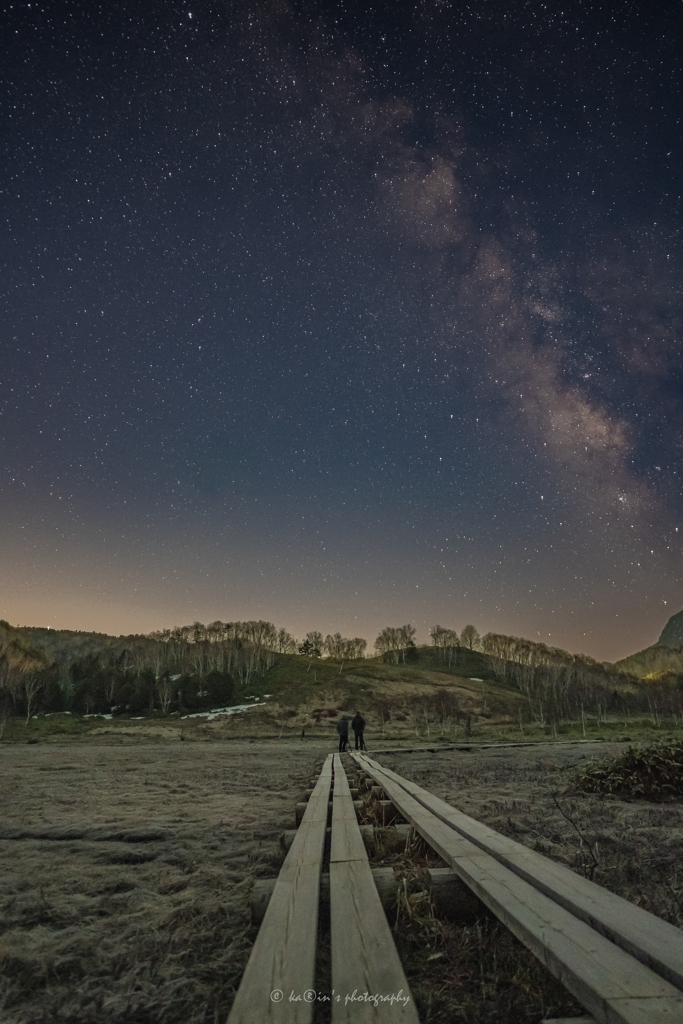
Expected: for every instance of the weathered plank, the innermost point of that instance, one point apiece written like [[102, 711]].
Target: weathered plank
[[283, 957], [611, 984], [384, 879], [650, 939], [569, 1020], [368, 982]]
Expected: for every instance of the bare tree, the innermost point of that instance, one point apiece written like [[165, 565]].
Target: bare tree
[[383, 708], [315, 638], [110, 688], [358, 645], [406, 638], [341, 648], [30, 688], [286, 644], [166, 690], [395, 640], [334, 645], [469, 638], [388, 642], [445, 641]]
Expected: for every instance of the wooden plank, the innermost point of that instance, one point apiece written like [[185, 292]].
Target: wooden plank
[[650, 939], [384, 879], [346, 841], [613, 986], [368, 982], [283, 957], [569, 1020]]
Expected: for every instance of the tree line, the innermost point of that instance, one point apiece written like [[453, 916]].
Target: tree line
[[186, 669], [561, 686], [195, 667]]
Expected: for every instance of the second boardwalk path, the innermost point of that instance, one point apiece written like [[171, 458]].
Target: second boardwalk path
[[546, 906]]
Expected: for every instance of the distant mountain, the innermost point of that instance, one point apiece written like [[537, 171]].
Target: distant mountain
[[653, 663], [672, 634], [665, 658]]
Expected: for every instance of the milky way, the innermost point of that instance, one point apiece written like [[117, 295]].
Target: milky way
[[343, 315]]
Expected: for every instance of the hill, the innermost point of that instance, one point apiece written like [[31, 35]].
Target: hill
[[52, 672], [654, 662], [211, 672], [425, 693], [672, 634]]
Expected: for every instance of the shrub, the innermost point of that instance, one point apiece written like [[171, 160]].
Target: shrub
[[654, 773]]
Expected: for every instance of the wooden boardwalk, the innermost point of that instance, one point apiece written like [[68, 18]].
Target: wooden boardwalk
[[438, 748], [283, 958], [624, 966], [368, 982]]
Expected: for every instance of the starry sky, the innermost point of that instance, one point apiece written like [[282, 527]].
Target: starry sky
[[343, 315]]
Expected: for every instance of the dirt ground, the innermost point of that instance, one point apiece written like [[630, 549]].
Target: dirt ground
[[126, 868]]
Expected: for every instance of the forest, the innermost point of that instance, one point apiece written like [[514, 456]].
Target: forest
[[200, 667]]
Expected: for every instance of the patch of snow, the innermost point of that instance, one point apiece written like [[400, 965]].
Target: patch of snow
[[237, 709], [98, 716], [473, 679]]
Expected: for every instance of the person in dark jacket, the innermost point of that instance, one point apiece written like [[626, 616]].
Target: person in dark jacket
[[343, 730], [358, 726]]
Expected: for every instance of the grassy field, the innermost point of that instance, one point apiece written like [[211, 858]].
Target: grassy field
[[128, 846], [316, 720], [424, 699], [126, 872], [127, 865]]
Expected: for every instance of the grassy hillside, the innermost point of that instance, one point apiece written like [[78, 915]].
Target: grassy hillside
[[653, 663], [61, 644], [423, 693], [60, 682]]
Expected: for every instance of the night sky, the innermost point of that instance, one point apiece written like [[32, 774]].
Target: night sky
[[343, 315]]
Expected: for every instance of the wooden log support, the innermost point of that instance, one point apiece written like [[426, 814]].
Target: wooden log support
[[450, 895], [648, 938], [367, 831], [283, 956], [364, 957], [389, 811], [384, 878], [452, 898], [611, 984]]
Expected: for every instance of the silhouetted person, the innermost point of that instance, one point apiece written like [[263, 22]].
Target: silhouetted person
[[358, 726], [343, 730]]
